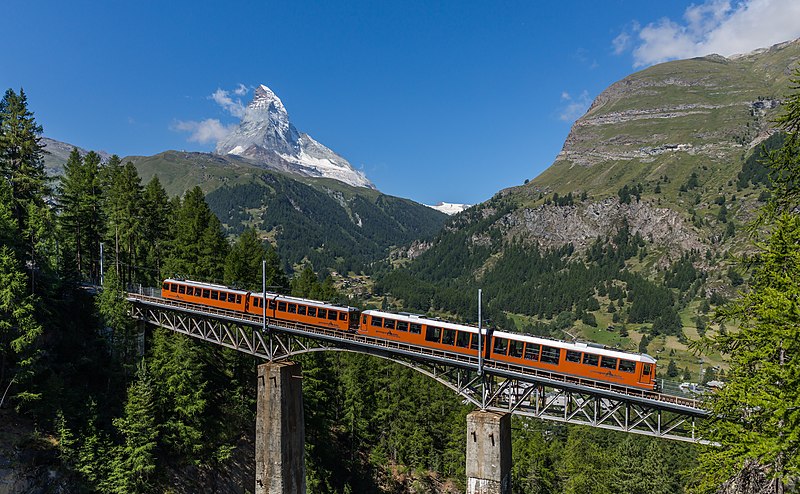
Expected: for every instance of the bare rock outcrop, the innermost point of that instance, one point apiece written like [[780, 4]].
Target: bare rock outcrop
[[554, 226]]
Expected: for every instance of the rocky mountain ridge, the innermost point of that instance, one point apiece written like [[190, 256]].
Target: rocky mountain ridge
[[673, 117], [267, 137]]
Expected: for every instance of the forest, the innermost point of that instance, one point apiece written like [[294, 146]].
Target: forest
[[120, 408]]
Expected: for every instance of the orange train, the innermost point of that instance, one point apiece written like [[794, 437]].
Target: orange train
[[589, 361]]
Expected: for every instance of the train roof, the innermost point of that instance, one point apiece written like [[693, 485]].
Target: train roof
[[577, 346], [202, 284], [305, 301], [424, 320]]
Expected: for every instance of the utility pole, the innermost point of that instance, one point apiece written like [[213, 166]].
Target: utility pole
[[480, 335], [264, 301]]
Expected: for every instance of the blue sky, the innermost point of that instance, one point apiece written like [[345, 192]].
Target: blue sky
[[434, 101]]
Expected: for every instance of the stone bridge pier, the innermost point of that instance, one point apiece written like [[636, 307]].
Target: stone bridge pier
[[488, 453], [280, 430]]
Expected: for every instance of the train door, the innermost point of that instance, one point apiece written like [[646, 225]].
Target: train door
[[644, 373]]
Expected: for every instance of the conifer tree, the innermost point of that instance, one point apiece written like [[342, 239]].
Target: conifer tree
[[243, 265], [198, 247], [21, 155], [155, 228], [756, 415], [81, 210], [136, 463]]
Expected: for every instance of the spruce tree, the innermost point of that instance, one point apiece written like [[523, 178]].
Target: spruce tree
[[136, 463], [21, 155]]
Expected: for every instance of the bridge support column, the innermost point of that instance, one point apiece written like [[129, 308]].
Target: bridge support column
[[488, 453], [280, 430]]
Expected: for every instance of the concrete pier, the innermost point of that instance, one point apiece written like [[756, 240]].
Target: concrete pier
[[488, 453], [280, 430]]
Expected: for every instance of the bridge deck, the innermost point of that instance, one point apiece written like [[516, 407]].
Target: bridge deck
[[681, 405]]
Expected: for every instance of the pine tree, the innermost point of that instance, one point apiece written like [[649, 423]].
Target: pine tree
[[198, 247], [136, 463], [21, 155], [757, 413], [81, 214], [155, 229], [243, 265]]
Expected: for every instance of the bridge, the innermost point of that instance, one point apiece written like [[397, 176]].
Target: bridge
[[499, 391]]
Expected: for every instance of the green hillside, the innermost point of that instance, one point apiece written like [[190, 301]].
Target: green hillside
[[629, 238], [322, 221]]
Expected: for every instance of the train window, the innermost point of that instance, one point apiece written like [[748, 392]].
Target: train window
[[238, 299], [377, 321], [646, 369], [608, 362], [332, 315], [433, 333], [282, 306], [550, 355], [312, 312], [448, 336], [627, 366], [500, 346], [532, 351], [214, 295], [474, 342], [402, 325], [188, 290], [181, 289], [165, 287], [322, 313], [573, 356], [260, 303], [291, 308], [206, 293], [515, 348], [301, 310], [462, 340], [173, 288], [388, 323], [232, 298], [590, 359], [272, 305], [416, 328], [343, 316]]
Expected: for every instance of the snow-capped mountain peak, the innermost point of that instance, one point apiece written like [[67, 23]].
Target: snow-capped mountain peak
[[266, 136]]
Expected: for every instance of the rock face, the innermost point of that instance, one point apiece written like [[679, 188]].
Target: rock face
[[267, 137], [580, 225]]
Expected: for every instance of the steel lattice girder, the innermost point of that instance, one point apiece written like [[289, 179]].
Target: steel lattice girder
[[491, 390]]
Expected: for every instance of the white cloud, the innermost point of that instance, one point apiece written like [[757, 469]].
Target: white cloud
[[714, 26], [223, 99], [621, 43], [241, 90], [208, 130], [574, 107]]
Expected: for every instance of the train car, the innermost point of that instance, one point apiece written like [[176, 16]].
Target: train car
[[421, 331], [577, 359], [208, 294], [305, 311], [586, 360]]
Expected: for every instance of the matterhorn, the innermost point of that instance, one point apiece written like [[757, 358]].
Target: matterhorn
[[266, 136]]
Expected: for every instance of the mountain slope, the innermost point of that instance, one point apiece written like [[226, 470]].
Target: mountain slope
[[323, 220], [625, 239]]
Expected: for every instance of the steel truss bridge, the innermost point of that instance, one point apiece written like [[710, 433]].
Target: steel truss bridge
[[501, 387]]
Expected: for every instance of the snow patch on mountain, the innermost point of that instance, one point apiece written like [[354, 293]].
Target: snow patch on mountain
[[450, 208], [266, 136]]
